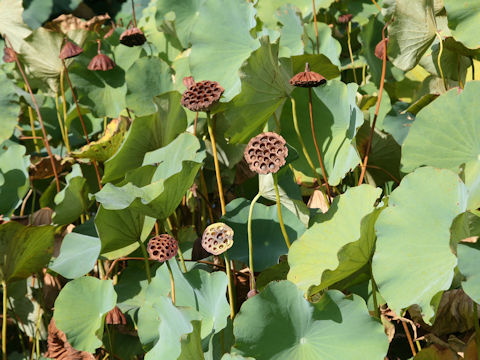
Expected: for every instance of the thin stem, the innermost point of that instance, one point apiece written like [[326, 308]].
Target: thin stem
[[101, 270], [377, 108], [211, 131], [439, 62], [172, 281], [204, 193], [250, 241], [195, 124], [19, 324], [24, 202], [182, 260], [378, 7], [133, 12], [59, 118], [32, 125], [409, 337], [279, 210], [477, 328], [37, 326], [179, 251], [231, 298], [40, 119], [349, 30], [473, 68], [4, 321], [374, 293], [316, 26], [64, 99], [317, 149], [145, 258]]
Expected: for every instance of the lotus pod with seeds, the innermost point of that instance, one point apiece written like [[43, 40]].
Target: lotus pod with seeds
[[217, 238], [162, 247], [266, 153], [201, 96]]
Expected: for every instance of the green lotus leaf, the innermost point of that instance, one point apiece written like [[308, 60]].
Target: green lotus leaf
[[328, 45], [219, 47], [11, 22], [80, 311], [416, 228], [292, 328], [73, 200], [9, 107], [147, 78], [318, 63], [267, 238], [147, 134], [291, 32], [336, 119], [444, 141], [468, 260], [192, 344], [331, 250], [463, 21], [411, 33], [37, 12], [264, 88], [25, 249], [78, 255], [235, 357], [13, 170]]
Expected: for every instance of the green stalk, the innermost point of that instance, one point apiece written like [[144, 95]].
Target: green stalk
[[179, 252], [439, 63], [4, 321], [36, 343], [250, 242], [172, 281], [279, 209], [231, 298], [211, 131], [374, 293], [477, 328], [145, 257], [64, 99], [349, 29]]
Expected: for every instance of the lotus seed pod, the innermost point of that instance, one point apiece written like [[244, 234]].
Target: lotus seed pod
[[307, 78], [9, 55], [101, 62], [217, 238], [162, 247], [201, 96], [70, 50], [345, 18], [266, 153], [380, 48], [133, 37], [115, 317]]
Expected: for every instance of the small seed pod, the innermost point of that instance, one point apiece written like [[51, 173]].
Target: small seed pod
[[217, 238], [101, 62], [201, 96], [266, 153], [115, 317], [307, 78], [162, 247], [252, 293], [380, 48], [345, 18], [133, 37], [70, 50], [9, 55]]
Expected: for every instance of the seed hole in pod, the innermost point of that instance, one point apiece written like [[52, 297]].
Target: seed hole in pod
[[263, 166], [258, 152], [277, 143], [277, 161], [219, 235], [255, 163], [209, 245], [155, 253], [265, 152], [251, 152], [221, 246], [255, 144], [264, 139], [272, 156], [262, 146], [271, 165], [279, 151], [166, 246], [225, 241], [271, 138], [215, 242]]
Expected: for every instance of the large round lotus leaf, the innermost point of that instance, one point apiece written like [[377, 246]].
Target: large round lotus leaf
[[291, 32], [221, 42], [11, 22], [468, 263], [464, 21], [279, 324], [446, 133], [331, 250], [267, 238], [80, 311], [415, 230], [411, 32], [9, 107]]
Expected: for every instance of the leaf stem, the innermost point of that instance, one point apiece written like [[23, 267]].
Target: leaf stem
[[378, 7], [250, 241], [32, 125], [133, 12], [316, 26], [211, 131], [317, 149], [374, 293], [477, 328], [231, 298], [172, 281], [279, 210], [409, 338], [4, 321], [59, 119], [171, 232], [145, 257], [349, 30], [64, 107], [439, 62]]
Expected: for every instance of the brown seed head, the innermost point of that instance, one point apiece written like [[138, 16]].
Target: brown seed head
[[133, 37], [9, 55], [162, 247], [101, 62], [266, 153], [115, 317], [380, 48], [201, 96], [307, 78], [217, 238], [70, 50], [345, 18]]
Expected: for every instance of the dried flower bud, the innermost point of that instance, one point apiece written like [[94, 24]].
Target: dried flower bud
[[115, 317], [217, 238], [9, 55], [70, 50], [266, 153], [133, 37], [162, 247], [307, 78], [345, 18], [201, 96], [380, 48]]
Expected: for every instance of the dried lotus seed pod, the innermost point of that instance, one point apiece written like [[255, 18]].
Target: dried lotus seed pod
[[345, 18], [307, 78], [266, 153], [162, 247], [9, 55], [201, 96], [133, 37], [115, 317], [217, 238], [380, 48], [70, 50], [101, 62]]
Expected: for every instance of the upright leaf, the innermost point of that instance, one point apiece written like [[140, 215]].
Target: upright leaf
[[463, 21]]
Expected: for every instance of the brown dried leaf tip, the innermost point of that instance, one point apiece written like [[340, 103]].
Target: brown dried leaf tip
[[380, 48], [133, 37], [101, 62], [345, 18], [9, 55], [266, 153], [201, 96], [60, 349], [115, 317], [70, 50], [217, 238], [307, 78], [162, 247]]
